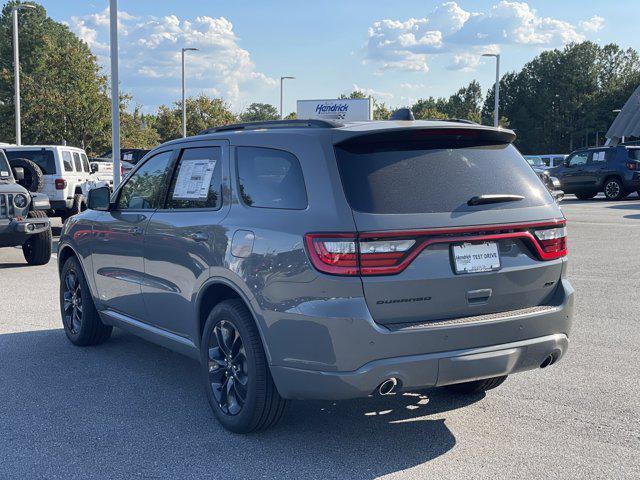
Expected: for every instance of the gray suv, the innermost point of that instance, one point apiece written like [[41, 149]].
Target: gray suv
[[318, 260]]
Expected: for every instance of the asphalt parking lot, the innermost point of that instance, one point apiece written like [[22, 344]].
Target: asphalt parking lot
[[130, 409]]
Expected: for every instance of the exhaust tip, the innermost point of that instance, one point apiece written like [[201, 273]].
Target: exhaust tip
[[547, 361], [388, 386]]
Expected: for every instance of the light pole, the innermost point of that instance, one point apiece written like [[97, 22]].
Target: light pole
[[184, 105], [496, 116], [282, 79], [16, 67], [115, 92]]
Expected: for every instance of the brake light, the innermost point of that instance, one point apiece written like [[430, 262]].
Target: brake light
[[335, 253], [60, 183], [388, 253], [632, 165], [121, 171], [553, 241]]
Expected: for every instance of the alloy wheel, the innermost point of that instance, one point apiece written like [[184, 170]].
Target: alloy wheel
[[227, 367], [72, 302], [612, 189]]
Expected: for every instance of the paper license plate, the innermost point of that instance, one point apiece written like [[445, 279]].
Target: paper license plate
[[476, 257]]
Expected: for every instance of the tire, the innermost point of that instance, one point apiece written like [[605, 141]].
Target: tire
[[585, 195], [37, 249], [33, 176], [613, 189], [79, 206], [231, 325], [477, 386], [80, 319]]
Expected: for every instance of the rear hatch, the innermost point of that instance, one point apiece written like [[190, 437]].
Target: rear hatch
[[451, 223]]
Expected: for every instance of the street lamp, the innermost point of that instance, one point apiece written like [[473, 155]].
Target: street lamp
[[115, 92], [16, 67], [282, 79], [496, 116], [184, 105]]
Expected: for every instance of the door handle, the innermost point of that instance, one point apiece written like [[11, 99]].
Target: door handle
[[135, 231], [199, 236]]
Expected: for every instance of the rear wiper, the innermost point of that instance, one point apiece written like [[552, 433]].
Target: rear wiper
[[494, 198]]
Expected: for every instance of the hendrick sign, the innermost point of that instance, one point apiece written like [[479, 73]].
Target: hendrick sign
[[349, 109]]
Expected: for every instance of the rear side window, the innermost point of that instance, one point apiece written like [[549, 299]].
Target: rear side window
[[269, 178], [197, 180], [85, 163], [395, 177], [66, 161], [77, 162], [634, 153], [41, 157]]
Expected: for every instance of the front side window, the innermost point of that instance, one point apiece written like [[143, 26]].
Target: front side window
[[578, 159], [66, 161], [42, 157], [77, 162], [144, 189], [5, 171], [269, 178], [197, 180]]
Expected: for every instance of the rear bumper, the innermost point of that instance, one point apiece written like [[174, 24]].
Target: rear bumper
[[419, 371], [418, 356]]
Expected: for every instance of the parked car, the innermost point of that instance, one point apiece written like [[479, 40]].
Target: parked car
[[60, 172], [318, 260], [543, 172], [23, 218], [549, 160], [612, 170]]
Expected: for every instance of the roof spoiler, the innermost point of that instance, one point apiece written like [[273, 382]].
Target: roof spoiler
[[273, 124]]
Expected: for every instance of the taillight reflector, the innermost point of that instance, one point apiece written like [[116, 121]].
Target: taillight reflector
[[60, 183]]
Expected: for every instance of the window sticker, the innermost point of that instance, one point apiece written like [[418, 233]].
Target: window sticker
[[4, 173], [193, 179]]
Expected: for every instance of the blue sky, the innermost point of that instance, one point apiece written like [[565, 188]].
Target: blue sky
[[398, 51]]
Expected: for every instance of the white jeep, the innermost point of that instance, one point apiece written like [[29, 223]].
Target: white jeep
[[60, 172]]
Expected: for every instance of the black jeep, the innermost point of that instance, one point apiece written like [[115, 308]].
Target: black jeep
[[23, 216]]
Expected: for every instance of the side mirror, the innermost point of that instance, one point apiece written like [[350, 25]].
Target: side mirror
[[99, 199], [94, 168], [18, 173]]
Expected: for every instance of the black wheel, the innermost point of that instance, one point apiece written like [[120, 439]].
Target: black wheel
[[33, 176], [80, 318], [477, 386], [37, 249], [237, 378], [586, 195], [613, 189], [79, 205]]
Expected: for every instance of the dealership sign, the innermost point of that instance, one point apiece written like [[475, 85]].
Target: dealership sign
[[349, 109]]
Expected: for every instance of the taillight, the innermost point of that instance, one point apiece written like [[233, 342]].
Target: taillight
[[388, 253], [335, 254], [553, 241], [60, 183], [632, 165], [121, 172]]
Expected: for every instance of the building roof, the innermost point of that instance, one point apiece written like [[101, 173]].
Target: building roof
[[627, 123]]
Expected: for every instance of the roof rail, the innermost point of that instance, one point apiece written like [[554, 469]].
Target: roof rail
[[273, 124], [458, 120]]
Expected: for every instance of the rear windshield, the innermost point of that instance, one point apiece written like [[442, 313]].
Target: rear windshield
[[43, 158], [402, 177]]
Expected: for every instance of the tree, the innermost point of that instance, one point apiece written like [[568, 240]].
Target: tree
[[561, 98], [465, 103], [356, 94], [202, 112], [64, 95], [257, 112]]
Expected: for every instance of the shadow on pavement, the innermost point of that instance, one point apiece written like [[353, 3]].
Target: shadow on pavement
[[130, 408]]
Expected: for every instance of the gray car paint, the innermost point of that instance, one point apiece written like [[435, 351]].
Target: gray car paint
[[313, 324]]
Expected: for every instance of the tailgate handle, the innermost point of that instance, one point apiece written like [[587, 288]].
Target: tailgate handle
[[478, 297]]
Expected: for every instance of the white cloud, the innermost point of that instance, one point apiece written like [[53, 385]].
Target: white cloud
[[150, 54], [407, 45], [370, 92], [594, 24]]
